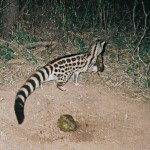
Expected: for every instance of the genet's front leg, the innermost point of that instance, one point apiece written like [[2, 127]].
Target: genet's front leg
[[75, 78], [93, 69]]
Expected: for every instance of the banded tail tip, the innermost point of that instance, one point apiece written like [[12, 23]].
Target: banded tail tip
[[19, 110]]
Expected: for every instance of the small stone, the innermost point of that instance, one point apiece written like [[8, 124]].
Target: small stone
[[66, 123]]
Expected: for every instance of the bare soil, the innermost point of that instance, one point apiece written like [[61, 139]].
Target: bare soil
[[108, 119]]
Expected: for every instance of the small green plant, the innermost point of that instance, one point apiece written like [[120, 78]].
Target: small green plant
[[80, 44], [144, 51], [22, 37], [148, 83], [30, 57], [6, 52]]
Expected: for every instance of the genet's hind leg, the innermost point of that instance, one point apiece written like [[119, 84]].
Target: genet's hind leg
[[62, 81], [60, 85]]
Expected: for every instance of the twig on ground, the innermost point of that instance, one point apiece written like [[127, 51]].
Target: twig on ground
[[15, 45], [39, 44], [12, 44]]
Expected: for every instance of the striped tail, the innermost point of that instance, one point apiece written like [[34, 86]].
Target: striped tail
[[30, 85]]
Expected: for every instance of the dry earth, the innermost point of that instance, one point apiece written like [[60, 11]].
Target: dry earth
[[108, 119]]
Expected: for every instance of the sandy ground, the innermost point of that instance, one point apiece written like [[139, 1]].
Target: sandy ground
[[108, 119]]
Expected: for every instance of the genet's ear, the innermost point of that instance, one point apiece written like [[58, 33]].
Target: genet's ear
[[103, 44]]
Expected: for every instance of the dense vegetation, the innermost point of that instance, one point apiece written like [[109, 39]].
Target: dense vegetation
[[125, 23]]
